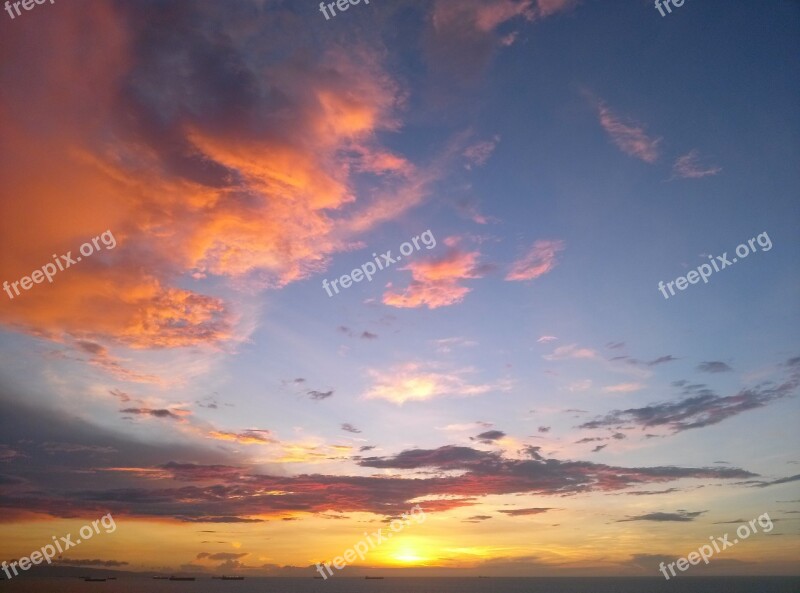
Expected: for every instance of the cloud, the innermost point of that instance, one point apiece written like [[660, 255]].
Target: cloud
[[437, 283], [688, 166], [221, 555], [599, 448], [446, 345], [247, 437], [350, 428], [462, 36], [75, 448], [477, 154], [417, 382], [175, 414], [489, 436], [629, 136], [232, 168], [539, 260], [703, 407], [95, 562], [786, 480], [570, 351], [365, 335], [477, 518], [545, 339], [318, 395], [134, 484], [528, 511], [714, 366], [623, 388], [661, 360], [544, 429], [680, 516]]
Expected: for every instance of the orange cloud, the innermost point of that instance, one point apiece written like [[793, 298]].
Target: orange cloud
[[239, 172], [435, 283], [247, 437], [538, 261]]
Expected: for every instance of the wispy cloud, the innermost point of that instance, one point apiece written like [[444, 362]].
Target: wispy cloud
[[703, 409], [679, 516], [714, 366], [570, 351], [689, 166], [539, 260], [629, 136], [623, 388]]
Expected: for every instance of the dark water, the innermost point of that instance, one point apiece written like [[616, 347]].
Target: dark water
[[415, 585]]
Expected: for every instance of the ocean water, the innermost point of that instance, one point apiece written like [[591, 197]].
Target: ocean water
[[413, 585]]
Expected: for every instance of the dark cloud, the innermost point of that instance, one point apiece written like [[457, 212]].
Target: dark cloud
[[661, 360], [157, 413], [615, 345], [208, 485], [489, 436], [793, 478], [679, 516], [318, 395], [713, 366], [599, 448], [222, 555], [544, 429], [366, 448], [95, 562], [477, 518], [364, 335], [703, 409], [350, 428], [652, 492], [528, 511]]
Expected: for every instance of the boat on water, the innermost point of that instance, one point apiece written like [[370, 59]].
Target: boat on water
[[161, 578], [94, 580], [374, 578], [182, 578], [224, 578]]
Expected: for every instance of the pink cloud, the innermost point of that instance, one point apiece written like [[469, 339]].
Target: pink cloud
[[539, 260], [688, 166], [629, 136]]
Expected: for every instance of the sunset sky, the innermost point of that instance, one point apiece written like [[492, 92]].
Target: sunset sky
[[523, 379]]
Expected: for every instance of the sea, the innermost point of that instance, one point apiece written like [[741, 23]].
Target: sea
[[412, 585]]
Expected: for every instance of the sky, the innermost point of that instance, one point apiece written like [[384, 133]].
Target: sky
[[186, 184]]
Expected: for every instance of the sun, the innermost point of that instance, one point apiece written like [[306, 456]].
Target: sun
[[408, 555]]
